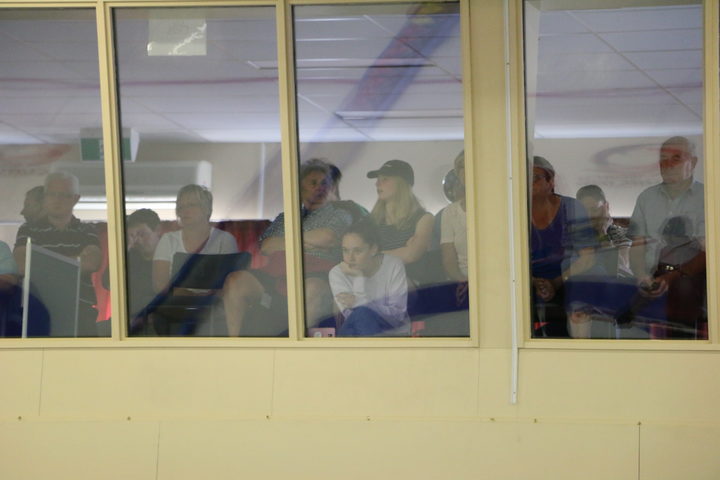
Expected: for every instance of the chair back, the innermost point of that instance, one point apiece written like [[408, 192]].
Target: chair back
[[196, 270]]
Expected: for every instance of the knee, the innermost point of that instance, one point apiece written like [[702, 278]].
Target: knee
[[238, 283]]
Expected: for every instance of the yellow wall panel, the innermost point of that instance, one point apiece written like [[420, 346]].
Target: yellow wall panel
[[577, 451], [620, 385], [157, 383], [20, 380], [401, 382], [318, 449], [356, 449], [679, 452], [78, 450]]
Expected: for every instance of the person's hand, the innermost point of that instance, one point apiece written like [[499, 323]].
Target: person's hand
[[544, 288], [653, 287], [349, 271], [346, 299], [461, 293]]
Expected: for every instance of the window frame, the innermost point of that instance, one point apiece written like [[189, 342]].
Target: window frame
[[291, 204], [710, 148]]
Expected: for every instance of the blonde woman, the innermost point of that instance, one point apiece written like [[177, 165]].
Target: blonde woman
[[197, 235], [405, 226]]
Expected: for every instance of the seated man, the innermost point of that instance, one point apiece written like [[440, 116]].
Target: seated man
[[322, 225], [33, 208], [61, 232], [143, 231], [614, 249]]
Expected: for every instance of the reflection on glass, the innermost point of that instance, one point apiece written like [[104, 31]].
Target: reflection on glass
[[617, 238], [51, 283], [199, 110], [379, 92]]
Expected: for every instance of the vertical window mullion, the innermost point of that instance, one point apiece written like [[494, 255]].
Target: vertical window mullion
[[291, 199], [712, 148], [113, 171]]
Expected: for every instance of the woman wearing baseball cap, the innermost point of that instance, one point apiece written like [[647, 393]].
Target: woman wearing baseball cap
[[405, 226]]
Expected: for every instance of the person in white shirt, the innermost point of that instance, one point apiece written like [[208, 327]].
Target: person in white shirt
[[197, 235], [369, 287], [453, 238]]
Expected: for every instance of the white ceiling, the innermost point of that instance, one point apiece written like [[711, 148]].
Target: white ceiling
[[624, 72], [620, 73]]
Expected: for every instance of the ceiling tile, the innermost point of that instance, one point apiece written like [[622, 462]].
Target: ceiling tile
[[654, 40], [560, 22], [664, 60], [678, 77], [575, 43], [597, 62], [634, 19]]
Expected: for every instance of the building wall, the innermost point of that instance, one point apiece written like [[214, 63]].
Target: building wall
[[146, 409]]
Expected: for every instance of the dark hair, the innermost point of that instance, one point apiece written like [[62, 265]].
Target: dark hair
[[335, 176], [366, 229], [37, 193], [591, 191], [143, 216]]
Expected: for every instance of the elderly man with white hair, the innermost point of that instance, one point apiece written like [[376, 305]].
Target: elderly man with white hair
[[668, 233], [61, 232]]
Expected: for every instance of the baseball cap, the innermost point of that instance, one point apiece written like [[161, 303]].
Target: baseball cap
[[395, 168]]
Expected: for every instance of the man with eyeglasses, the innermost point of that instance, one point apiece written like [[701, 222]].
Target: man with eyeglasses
[[61, 232]]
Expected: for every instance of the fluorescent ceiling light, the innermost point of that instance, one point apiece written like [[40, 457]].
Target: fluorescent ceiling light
[[131, 203], [372, 114], [615, 131], [310, 63]]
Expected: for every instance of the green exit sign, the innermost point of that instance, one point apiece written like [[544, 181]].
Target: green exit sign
[[91, 146]]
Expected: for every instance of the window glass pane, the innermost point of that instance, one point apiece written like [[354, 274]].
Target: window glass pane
[[380, 104], [52, 175], [202, 172], [615, 132]]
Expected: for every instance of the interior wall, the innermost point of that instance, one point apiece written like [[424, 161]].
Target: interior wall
[[622, 167], [426, 413]]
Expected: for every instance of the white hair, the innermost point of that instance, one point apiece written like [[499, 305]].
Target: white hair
[[65, 177]]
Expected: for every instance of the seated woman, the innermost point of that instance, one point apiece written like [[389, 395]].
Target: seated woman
[[369, 287], [562, 244], [405, 227], [322, 225], [194, 208]]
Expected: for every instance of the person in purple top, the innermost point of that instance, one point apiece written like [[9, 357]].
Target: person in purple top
[[562, 244]]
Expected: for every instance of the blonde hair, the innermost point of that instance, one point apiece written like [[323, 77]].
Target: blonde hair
[[200, 193], [405, 206]]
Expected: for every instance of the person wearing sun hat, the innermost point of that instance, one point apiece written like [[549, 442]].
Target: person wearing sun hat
[[405, 227]]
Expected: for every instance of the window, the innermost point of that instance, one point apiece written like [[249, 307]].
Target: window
[[202, 174], [52, 174], [615, 134], [380, 121]]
